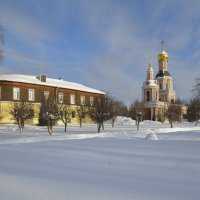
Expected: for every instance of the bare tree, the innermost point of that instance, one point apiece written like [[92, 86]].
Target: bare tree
[[100, 112], [173, 112], [1, 42], [194, 110], [49, 112], [116, 108], [81, 111], [65, 114], [136, 112], [22, 112], [196, 88]]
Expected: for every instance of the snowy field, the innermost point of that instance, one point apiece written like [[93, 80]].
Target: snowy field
[[120, 163]]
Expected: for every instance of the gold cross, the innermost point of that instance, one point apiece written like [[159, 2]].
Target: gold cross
[[162, 44]]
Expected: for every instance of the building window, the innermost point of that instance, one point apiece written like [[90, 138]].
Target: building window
[[91, 101], [0, 92], [31, 94], [46, 95], [16, 93], [82, 100], [60, 98], [160, 86], [72, 99], [148, 96]]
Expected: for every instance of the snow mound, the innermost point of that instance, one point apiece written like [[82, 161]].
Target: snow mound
[[151, 136], [124, 121]]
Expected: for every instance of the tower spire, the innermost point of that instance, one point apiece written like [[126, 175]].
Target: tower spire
[[150, 71]]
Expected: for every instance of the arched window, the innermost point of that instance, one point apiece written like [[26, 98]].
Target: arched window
[[166, 86], [148, 96]]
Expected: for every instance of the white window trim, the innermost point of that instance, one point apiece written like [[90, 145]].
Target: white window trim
[[31, 94], [91, 101], [16, 93], [72, 99], [82, 100], [60, 97], [46, 94]]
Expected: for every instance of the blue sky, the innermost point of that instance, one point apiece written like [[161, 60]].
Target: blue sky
[[105, 44]]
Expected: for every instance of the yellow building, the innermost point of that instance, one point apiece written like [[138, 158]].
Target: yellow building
[[32, 89]]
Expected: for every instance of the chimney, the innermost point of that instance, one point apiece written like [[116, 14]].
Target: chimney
[[42, 78]]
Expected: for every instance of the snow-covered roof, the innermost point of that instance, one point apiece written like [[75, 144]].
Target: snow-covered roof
[[150, 83], [49, 82]]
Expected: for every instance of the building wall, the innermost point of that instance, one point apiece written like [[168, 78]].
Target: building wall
[[7, 102]]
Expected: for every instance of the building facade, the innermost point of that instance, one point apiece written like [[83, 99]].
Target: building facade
[[33, 89], [158, 92]]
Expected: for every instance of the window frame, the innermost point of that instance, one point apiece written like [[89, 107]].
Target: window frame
[[82, 100], [72, 99], [91, 101], [16, 93], [60, 97], [46, 94], [31, 94]]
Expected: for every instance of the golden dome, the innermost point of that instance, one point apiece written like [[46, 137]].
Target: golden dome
[[163, 56]]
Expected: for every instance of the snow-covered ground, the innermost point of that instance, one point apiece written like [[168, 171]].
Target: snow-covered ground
[[120, 163]]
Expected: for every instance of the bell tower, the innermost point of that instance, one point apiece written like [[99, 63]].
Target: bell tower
[[150, 87], [164, 78]]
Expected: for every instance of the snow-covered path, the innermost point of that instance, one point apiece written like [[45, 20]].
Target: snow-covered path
[[118, 164]]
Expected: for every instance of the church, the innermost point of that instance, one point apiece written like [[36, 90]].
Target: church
[[158, 93]]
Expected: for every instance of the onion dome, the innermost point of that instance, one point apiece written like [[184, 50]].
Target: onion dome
[[163, 56]]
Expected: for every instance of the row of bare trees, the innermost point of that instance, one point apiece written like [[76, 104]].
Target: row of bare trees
[[194, 105], [104, 108]]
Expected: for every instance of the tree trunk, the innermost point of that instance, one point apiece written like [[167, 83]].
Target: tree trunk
[[171, 124], [137, 125], [99, 127], [113, 122], [65, 127], [49, 126], [20, 125], [20, 128], [80, 122]]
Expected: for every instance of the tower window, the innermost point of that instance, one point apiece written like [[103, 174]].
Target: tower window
[[160, 86], [148, 96]]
